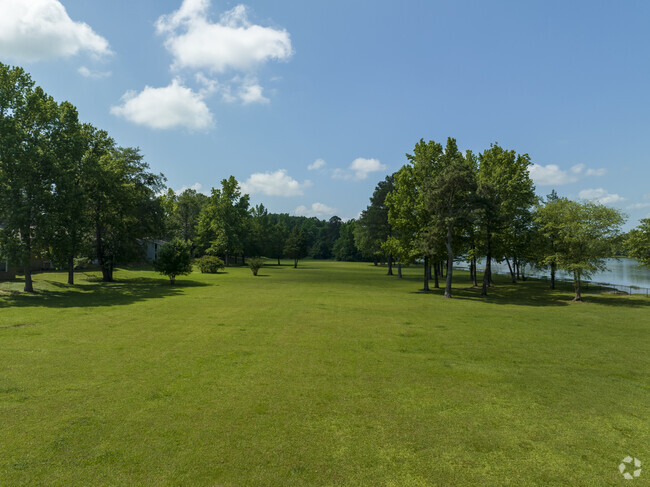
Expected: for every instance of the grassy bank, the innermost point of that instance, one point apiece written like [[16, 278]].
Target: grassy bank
[[329, 374]]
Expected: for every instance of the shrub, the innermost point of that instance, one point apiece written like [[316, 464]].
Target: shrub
[[255, 264], [208, 264], [174, 259]]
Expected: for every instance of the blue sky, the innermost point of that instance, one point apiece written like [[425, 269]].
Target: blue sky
[[263, 90]]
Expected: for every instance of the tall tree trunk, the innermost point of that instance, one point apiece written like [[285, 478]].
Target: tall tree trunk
[[29, 285], [399, 270], [426, 274], [436, 270], [295, 263], [390, 265], [578, 285], [512, 273], [107, 272], [26, 260], [553, 276], [450, 261], [487, 274], [517, 267], [278, 260], [475, 278], [71, 270], [227, 259], [106, 267]]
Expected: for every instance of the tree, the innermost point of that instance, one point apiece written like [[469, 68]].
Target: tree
[[546, 241], [504, 192], [174, 259], [258, 241], [372, 228], [344, 248], [28, 117], [449, 197], [68, 220], [123, 207], [296, 246], [407, 213], [277, 239], [638, 242], [182, 212], [582, 234], [222, 223]]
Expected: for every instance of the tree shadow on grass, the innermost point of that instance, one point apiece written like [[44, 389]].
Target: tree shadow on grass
[[94, 294], [537, 293]]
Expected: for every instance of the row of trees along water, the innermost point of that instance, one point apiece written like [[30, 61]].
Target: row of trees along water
[[68, 191], [444, 204]]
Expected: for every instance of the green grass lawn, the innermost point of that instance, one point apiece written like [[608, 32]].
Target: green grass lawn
[[332, 374]]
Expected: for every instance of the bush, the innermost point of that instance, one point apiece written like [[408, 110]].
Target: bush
[[255, 264], [174, 259], [208, 264]]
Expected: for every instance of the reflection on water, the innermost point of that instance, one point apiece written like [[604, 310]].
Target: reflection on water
[[620, 272]]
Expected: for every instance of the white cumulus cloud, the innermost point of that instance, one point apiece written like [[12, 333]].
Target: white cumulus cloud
[[317, 164], [36, 30], [553, 175], [198, 187], [360, 169], [600, 195], [277, 183], [319, 210], [165, 108], [638, 206], [252, 93], [87, 73], [231, 43]]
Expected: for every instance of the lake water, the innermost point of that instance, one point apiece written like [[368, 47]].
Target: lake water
[[622, 273]]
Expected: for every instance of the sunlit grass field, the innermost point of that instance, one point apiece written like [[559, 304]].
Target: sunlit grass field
[[332, 374]]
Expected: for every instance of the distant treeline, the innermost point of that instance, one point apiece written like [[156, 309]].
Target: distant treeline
[[224, 224]]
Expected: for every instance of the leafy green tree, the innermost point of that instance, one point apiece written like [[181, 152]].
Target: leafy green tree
[[277, 240], [174, 259], [258, 242], [28, 116], [373, 228], [407, 212], [505, 191], [123, 207], [582, 235], [223, 221], [638, 242], [68, 218], [296, 246], [449, 197], [344, 247], [182, 212], [545, 243]]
